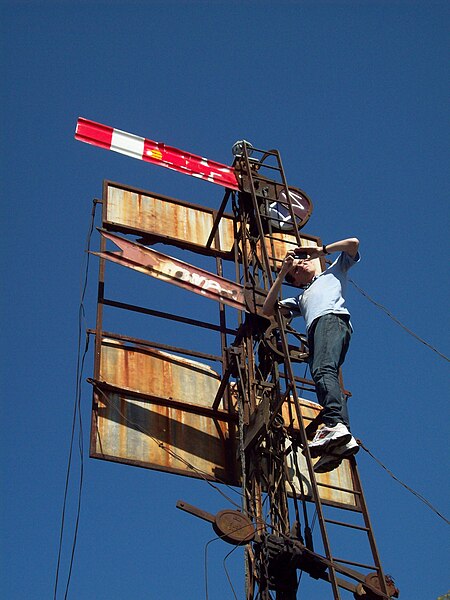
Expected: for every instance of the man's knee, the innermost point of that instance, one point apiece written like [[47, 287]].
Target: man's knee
[[319, 372]]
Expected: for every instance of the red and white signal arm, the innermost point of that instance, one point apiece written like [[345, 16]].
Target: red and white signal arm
[[279, 211]]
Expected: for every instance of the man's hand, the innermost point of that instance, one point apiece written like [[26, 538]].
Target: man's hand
[[288, 262], [311, 252], [268, 308]]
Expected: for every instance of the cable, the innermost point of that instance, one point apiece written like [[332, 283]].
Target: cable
[[206, 565], [69, 463], [76, 412], [81, 451], [419, 496], [391, 316], [226, 570], [220, 537]]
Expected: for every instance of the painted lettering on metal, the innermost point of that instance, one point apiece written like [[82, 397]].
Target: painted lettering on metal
[[158, 265], [206, 284]]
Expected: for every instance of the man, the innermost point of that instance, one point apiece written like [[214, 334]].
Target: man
[[322, 304]]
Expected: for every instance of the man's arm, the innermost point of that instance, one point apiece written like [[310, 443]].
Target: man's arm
[[268, 308], [350, 246]]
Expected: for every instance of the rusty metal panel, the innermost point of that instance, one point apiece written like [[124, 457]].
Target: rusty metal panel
[[167, 268], [166, 218], [157, 373], [339, 478], [157, 416]]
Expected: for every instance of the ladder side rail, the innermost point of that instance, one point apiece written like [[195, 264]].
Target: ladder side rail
[[368, 524], [289, 375], [289, 201], [223, 328], [238, 234], [290, 380], [253, 455], [266, 263], [249, 493], [290, 383], [314, 487]]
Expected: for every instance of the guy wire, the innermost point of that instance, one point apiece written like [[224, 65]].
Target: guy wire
[[76, 410], [419, 496], [391, 316]]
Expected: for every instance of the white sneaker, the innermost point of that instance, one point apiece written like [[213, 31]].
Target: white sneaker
[[332, 460], [329, 437]]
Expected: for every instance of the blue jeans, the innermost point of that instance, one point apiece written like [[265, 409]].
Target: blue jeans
[[328, 341]]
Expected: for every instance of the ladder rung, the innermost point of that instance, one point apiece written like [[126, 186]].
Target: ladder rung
[[340, 489], [347, 525], [266, 166], [355, 564], [261, 151]]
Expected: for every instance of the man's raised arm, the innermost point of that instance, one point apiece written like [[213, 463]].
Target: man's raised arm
[[350, 246], [268, 308]]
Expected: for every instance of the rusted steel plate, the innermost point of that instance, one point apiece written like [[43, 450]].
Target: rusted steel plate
[[339, 478], [150, 433], [156, 373], [172, 220], [145, 434], [166, 268], [163, 435], [165, 218]]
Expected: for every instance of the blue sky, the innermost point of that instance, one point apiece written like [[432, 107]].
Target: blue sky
[[355, 97]]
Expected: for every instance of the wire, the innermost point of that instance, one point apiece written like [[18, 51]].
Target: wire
[[220, 537], [226, 570], [419, 496], [81, 452], [76, 412], [206, 565], [391, 316]]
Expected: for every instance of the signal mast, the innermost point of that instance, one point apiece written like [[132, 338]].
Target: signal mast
[[248, 421]]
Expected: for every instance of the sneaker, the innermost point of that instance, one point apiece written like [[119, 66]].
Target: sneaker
[[331, 461], [328, 438]]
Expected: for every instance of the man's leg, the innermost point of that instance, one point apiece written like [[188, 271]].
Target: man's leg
[[328, 345]]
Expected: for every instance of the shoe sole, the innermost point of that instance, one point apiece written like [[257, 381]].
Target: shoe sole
[[328, 466], [324, 448], [331, 465], [350, 452]]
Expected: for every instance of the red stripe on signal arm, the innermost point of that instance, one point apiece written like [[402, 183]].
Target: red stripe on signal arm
[[94, 133], [172, 158]]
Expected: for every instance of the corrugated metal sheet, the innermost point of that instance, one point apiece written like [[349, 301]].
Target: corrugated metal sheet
[[166, 217], [153, 434]]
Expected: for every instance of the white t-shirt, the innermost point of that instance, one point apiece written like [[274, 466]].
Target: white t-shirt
[[326, 294]]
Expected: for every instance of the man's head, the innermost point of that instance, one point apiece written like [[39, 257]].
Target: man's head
[[302, 272]]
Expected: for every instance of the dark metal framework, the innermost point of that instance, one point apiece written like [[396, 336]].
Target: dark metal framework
[[260, 386], [282, 546]]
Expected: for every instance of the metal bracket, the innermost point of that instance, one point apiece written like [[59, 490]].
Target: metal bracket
[[231, 526]]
